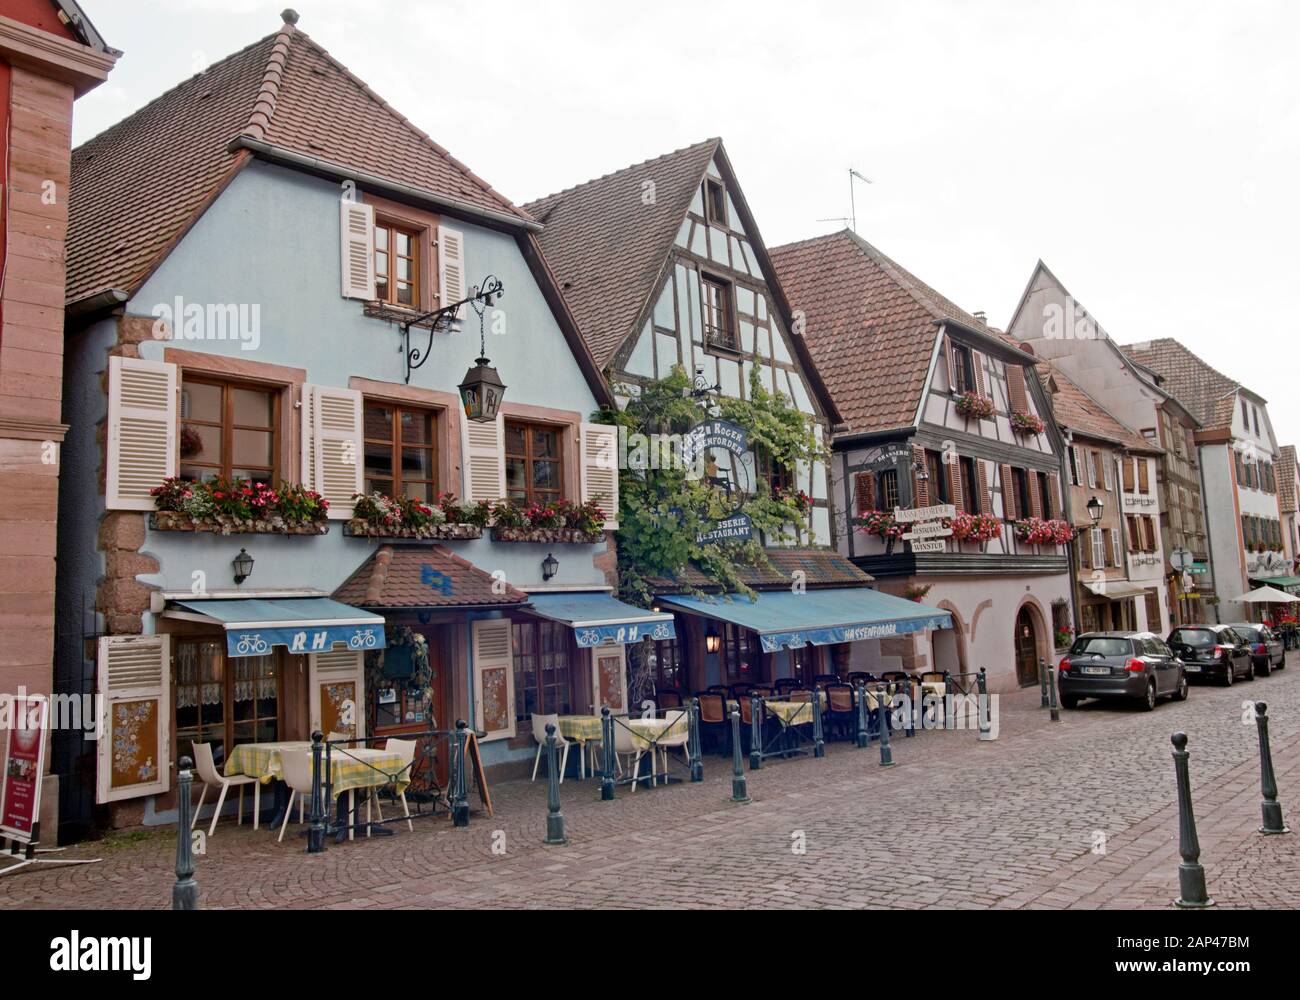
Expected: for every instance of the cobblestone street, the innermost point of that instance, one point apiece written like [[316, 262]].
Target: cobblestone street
[[1008, 824]]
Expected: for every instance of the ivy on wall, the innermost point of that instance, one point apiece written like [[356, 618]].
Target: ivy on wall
[[663, 511]]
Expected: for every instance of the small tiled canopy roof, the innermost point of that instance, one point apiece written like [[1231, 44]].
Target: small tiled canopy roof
[[821, 568], [871, 325], [419, 576], [1209, 395], [138, 187], [1078, 412]]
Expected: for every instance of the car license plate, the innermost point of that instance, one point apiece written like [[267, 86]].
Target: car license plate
[[1192, 668], [1096, 670]]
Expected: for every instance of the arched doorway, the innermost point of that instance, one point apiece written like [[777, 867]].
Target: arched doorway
[[1027, 647]]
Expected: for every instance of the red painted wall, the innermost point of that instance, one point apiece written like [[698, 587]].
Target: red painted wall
[[39, 14]]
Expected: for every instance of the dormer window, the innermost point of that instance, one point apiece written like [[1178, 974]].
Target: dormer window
[[715, 203], [719, 323]]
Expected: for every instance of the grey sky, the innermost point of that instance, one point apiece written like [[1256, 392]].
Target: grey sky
[[1148, 153]]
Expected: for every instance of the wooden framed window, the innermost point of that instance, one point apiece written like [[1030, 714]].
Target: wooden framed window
[[223, 700], [543, 669], [534, 462], [1045, 495], [777, 475], [804, 664], [1020, 483], [970, 487], [715, 203], [719, 322], [397, 265], [940, 491], [670, 664], [887, 489], [401, 450], [963, 369], [740, 655], [228, 429]]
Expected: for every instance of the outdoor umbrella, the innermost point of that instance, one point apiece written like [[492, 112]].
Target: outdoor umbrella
[[1268, 595]]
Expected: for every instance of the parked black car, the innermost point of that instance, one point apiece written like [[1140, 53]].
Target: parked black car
[[1134, 665], [1213, 651], [1265, 646]]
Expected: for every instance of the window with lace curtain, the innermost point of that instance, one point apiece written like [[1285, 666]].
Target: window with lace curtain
[[223, 700]]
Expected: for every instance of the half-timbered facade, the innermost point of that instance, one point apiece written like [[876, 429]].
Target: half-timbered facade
[[942, 412]]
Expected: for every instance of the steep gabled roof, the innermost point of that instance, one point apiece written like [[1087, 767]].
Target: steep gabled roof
[[871, 326], [1208, 394], [607, 241], [404, 577], [1079, 413], [140, 185]]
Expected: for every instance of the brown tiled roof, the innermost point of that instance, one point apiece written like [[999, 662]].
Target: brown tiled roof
[[1286, 466], [137, 187], [821, 567], [411, 576], [1208, 395], [607, 246], [1078, 412], [870, 325]]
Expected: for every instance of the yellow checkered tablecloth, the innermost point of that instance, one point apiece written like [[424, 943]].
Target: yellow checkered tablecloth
[[791, 713], [647, 731], [583, 728], [362, 767]]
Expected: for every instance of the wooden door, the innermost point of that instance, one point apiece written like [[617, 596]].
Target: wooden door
[[1026, 648]]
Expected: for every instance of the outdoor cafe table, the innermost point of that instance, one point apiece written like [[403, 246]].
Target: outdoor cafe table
[[350, 768], [585, 729]]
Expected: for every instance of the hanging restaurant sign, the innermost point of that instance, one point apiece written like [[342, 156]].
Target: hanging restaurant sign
[[733, 483], [928, 532]]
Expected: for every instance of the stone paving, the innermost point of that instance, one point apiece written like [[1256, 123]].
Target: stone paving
[[1079, 813]]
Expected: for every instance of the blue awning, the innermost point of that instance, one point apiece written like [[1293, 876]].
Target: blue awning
[[303, 624], [822, 617], [599, 618]]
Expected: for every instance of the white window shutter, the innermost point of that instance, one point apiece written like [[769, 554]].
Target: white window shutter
[[133, 753], [141, 431], [494, 678], [336, 684], [451, 267], [599, 444], [357, 239], [307, 439], [336, 446], [483, 447]]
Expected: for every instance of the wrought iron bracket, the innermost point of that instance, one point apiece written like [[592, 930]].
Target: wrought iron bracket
[[481, 297]]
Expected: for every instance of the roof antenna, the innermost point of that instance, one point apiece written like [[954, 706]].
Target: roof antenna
[[852, 217]]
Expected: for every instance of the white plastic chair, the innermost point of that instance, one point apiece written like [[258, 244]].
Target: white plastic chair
[[671, 738], [209, 775], [295, 770], [540, 722], [628, 744], [406, 750]]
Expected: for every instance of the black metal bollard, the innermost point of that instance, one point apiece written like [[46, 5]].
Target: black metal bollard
[[864, 737], [1043, 671], [1051, 696], [607, 752], [739, 787], [693, 748], [1271, 808], [755, 732], [460, 787], [554, 818], [1191, 876], [819, 743], [986, 727], [316, 831], [185, 893], [882, 707]]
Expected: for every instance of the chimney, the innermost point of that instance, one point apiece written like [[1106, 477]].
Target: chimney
[[982, 317]]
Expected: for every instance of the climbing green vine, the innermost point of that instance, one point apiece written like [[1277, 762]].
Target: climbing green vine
[[663, 511]]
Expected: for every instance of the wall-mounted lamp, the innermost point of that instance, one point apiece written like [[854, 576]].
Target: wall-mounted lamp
[[550, 566], [1095, 508], [243, 564], [712, 641]]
